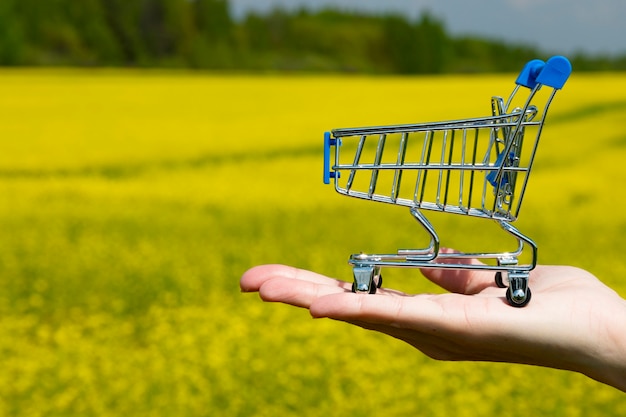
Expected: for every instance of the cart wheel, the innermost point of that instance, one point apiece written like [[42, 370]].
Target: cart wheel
[[499, 280], [364, 281], [372, 289], [519, 300]]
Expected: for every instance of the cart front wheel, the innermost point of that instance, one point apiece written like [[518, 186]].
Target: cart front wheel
[[500, 280], [518, 298], [365, 279], [372, 289]]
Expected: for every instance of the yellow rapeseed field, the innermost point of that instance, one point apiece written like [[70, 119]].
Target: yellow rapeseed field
[[132, 201]]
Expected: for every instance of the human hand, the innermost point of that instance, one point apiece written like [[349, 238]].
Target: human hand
[[574, 322]]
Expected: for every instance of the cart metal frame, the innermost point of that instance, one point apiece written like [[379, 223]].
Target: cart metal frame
[[475, 167]]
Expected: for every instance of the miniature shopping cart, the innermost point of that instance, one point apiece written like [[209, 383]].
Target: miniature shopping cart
[[473, 167]]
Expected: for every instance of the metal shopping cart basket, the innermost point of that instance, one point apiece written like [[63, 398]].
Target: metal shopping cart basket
[[473, 167]]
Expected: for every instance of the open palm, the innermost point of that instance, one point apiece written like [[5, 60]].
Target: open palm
[[573, 322]]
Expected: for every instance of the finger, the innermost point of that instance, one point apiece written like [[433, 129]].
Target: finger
[[390, 310], [460, 281], [297, 287], [253, 278], [299, 293]]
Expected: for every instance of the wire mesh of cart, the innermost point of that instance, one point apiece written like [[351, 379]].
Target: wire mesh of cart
[[475, 167]]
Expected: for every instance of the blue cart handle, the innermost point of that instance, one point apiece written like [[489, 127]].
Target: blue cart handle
[[553, 73], [556, 72]]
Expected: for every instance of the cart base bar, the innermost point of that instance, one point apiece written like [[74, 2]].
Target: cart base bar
[[508, 273], [368, 277]]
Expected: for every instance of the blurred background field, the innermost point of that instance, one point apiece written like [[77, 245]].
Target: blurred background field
[[133, 200], [154, 150]]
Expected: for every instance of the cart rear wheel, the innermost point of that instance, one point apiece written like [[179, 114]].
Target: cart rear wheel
[[518, 300]]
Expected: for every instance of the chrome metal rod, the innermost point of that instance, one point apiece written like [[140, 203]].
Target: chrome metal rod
[[395, 190], [357, 158], [377, 163]]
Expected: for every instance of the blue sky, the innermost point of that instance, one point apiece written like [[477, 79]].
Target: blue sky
[[556, 26]]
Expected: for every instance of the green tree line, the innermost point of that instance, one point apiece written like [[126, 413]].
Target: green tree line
[[202, 34]]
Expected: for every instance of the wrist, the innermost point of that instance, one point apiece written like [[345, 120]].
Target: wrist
[[610, 367]]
